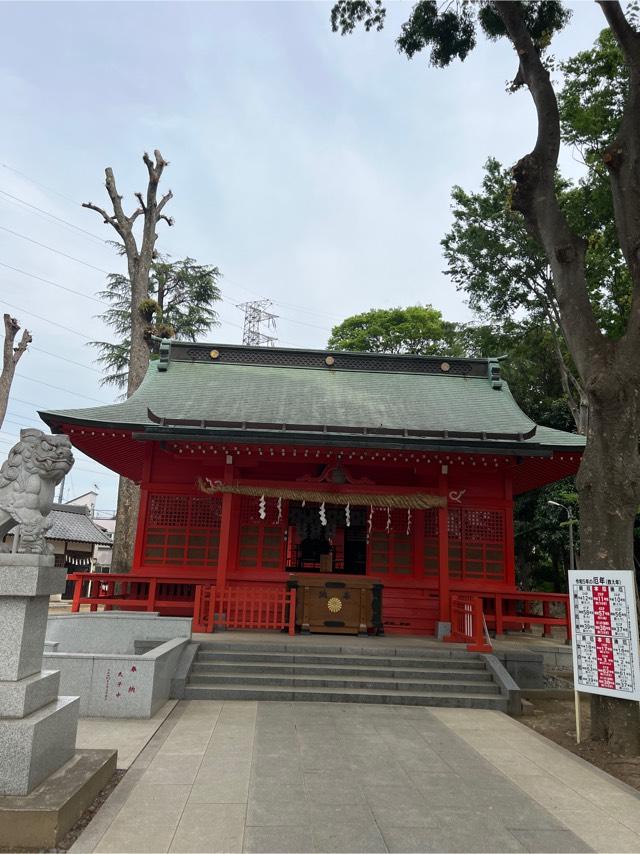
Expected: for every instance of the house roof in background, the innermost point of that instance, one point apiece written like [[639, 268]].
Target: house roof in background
[[71, 522]]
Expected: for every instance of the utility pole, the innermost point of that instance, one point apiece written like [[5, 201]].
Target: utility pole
[[571, 521], [255, 314], [61, 492]]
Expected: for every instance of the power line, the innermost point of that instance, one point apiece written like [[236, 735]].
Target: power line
[[66, 390], [99, 269], [18, 423], [64, 359], [46, 320], [52, 249], [18, 200], [49, 282], [38, 184]]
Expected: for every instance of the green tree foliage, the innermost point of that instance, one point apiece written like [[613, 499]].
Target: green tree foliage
[[494, 260], [417, 329], [596, 82], [529, 367], [182, 296], [591, 102], [449, 33], [541, 537]]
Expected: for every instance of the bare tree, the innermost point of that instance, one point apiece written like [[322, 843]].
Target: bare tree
[[11, 355], [139, 252]]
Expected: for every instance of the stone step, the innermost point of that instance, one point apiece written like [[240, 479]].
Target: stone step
[[393, 672], [463, 663], [345, 695], [374, 648], [445, 685]]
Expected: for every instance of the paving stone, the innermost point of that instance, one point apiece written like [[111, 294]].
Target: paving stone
[[440, 789], [158, 797], [599, 831], [147, 828], [476, 839], [279, 840], [276, 813], [328, 787], [353, 837], [521, 813], [225, 790], [167, 768], [186, 742], [216, 769], [553, 794], [408, 840], [262, 789], [340, 813], [210, 828], [550, 841], [277, 776]]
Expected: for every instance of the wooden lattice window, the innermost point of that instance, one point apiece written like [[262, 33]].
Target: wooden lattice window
[[261, 541], [390, 553], [431, 560], [476, 545], [182, 530]]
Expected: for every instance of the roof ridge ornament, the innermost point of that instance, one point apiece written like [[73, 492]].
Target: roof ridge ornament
[[493, 368], [164, 354]]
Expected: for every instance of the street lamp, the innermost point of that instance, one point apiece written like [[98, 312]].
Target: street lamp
[[571, 520]]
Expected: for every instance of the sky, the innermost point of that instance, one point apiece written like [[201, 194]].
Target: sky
[[314, 170]]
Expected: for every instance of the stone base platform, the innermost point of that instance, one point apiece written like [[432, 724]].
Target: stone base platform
[[37, 745], [41, 818]]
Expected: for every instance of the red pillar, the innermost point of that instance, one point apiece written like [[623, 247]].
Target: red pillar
[[225, 551], [418, 544], [443, 547], [509, 543]]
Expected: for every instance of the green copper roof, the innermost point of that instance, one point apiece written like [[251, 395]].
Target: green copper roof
[[418, 398]]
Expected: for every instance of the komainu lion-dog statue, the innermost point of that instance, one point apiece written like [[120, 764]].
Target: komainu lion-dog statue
[[28, 479]]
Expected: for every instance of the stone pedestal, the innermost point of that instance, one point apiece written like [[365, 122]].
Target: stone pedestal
[[37, 727]]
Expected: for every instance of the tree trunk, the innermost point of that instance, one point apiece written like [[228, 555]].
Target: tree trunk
[[127, 515], [609, 493], [11, 355], [139, 266]]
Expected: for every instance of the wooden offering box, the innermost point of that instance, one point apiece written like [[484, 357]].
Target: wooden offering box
[[340, 604]]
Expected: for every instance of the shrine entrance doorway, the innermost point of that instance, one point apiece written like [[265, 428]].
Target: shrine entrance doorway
[[331, 540]]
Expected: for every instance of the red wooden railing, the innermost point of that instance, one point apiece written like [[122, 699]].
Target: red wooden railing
[[261, 606], [467, 623], [516, 611], [133, 592], [245, 607]]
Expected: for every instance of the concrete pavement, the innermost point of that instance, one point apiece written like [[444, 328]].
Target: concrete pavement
[[295, 777]]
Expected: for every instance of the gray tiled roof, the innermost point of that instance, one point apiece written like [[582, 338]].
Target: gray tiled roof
[[72, 523]]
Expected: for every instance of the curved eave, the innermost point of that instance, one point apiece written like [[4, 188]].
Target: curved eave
[[287, 438]]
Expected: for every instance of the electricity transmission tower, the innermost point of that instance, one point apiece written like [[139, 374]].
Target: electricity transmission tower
[[255, 314]]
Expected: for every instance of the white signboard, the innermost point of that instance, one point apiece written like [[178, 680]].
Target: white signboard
[[605, 633]]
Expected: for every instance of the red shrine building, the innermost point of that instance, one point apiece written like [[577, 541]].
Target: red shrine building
[[262, 466]]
